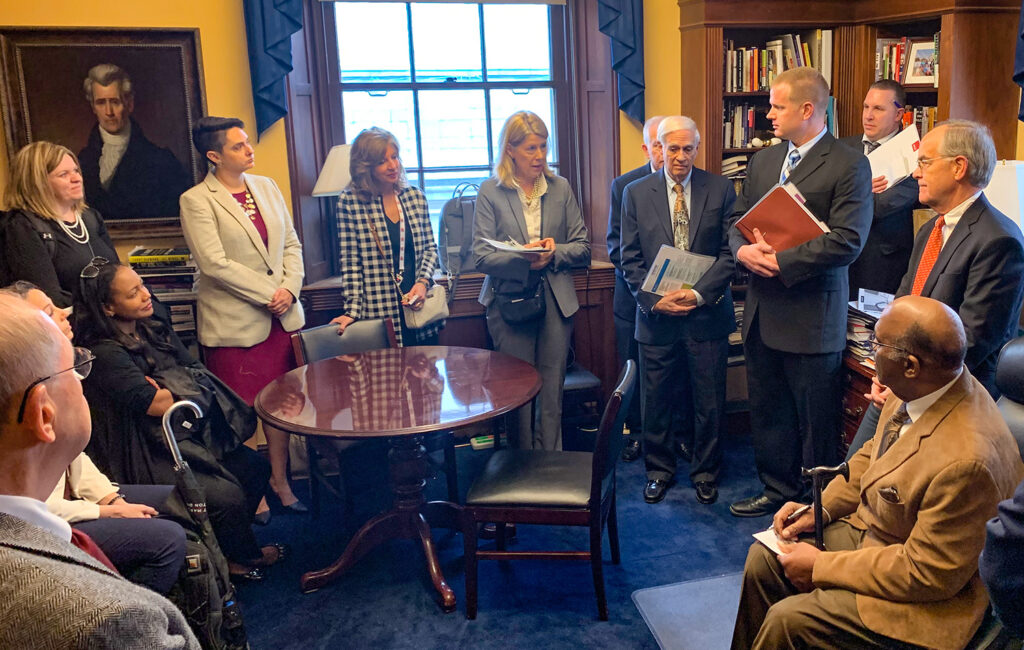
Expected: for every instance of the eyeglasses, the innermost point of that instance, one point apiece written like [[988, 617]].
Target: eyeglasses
[[875, 344], [92, 269], [82, 367], [925, 163]]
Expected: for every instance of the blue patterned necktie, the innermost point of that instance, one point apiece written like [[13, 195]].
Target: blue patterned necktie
[[791, 162]]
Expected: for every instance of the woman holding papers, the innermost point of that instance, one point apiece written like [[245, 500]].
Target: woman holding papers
[[385, 237], [529, 293]]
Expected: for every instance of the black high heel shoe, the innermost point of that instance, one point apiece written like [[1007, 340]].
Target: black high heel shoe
[[297, 508]]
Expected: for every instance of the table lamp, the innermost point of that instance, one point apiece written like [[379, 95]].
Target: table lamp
[[334, 176]]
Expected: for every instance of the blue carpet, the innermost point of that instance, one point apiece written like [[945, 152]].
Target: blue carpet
[[386, 600], [692, 615]]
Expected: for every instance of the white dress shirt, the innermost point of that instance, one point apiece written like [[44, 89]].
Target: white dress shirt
[[34, 512], [531, 207], [917, 407], [952, 217]]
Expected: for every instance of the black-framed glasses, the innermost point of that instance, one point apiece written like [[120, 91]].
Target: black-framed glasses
[[875, 344], [83, 366], [92, 269]]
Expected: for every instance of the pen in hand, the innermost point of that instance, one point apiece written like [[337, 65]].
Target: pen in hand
[[797, 513]]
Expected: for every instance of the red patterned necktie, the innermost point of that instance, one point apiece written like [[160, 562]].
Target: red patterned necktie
[[85, 543], [928, 257]]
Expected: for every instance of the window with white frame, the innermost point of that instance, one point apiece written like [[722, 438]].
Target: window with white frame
[[444, 77]]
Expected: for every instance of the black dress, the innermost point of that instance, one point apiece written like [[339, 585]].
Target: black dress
[[128, 445], [53, 264]]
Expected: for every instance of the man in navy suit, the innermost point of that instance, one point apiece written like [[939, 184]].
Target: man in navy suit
[[1002, 562], [794, 317], [973, 261], [683, 335], [886, 253], [623, 304]]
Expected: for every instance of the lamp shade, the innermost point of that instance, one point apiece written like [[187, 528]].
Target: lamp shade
[[334, 177]]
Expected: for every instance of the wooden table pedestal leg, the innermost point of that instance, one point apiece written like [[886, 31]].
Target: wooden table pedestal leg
[[408, 469]]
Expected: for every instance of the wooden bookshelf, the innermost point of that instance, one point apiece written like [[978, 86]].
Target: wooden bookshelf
[[976, 55]]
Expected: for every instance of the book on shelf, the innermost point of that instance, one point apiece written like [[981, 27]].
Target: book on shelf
[[166, 256], [753, 68], [892, 58]]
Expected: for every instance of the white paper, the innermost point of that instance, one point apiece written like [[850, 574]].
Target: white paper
[[897, 158], [514, 247], [675, 269], [771, 540], [872, 302], [1005, 188]]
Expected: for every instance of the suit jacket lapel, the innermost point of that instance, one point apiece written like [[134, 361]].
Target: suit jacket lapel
[[517, 209], [910, 441], [271, 219], [658, 197], [815, 158], [698, 197], [958, 236], [223, 197]]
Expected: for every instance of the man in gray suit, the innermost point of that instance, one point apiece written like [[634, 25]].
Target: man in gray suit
[[683, 335], [623, 303], [52, 594], [886, 253]]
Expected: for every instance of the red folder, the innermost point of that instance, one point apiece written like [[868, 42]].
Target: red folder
[[782, 218]]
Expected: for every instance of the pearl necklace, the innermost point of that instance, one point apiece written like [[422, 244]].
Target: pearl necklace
[[77, 231]]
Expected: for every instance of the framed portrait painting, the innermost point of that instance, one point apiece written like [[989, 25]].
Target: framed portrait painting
[[124, 101]]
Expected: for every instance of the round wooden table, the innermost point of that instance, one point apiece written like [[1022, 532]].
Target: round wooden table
[[399, 394]]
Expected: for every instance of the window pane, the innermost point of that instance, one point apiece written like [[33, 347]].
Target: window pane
[[439, 186], [517, 42], [453, 128], [538, 100], [389, 110], [446, 40], [380, 54]]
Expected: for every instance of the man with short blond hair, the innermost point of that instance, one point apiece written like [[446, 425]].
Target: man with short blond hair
[[794, 317]]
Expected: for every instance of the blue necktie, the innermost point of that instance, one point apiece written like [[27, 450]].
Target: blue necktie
[[791, 162]]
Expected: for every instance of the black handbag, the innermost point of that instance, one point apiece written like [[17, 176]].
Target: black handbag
[[521, 306]]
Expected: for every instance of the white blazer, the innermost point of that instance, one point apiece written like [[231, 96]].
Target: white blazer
[[238, 275]]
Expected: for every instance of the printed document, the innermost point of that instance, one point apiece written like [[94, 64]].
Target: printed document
[[675, 269], [513, 247], [897, 158]]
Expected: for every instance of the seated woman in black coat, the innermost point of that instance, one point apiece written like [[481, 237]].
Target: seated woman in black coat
[[141, 368]]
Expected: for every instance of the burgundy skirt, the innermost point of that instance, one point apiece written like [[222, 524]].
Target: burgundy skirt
[[248, 370]]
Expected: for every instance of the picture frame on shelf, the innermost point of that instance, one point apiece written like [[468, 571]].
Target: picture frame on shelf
[[921, 63], [43, 90]]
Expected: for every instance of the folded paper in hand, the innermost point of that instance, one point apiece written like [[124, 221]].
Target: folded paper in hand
[[897, 158], [782, 218], [770, 539], [675, 269], [514, 247]]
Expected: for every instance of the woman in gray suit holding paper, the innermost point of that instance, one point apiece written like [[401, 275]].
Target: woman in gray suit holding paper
[[529, 295]]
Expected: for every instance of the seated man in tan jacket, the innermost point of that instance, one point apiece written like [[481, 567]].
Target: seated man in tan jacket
[[905, 532]]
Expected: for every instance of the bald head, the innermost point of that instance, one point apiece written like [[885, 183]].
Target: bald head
[[923, 346], [29, 349]]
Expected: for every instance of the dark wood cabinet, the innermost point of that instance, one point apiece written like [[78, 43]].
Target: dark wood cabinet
[[856, 383]]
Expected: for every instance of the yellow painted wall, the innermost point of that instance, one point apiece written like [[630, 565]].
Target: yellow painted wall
[[225, 62], [662, 76]]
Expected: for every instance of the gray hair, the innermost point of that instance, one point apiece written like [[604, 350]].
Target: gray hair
[[29, 349], [105, 74], [654, 119], [973, 141], [678, 123]]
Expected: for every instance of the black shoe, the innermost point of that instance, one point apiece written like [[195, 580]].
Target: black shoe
[[684, 452], [707, 492], [655, 490], [631, 451], [261, 518], [758, 506]]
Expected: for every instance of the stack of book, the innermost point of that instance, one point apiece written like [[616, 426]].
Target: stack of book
[[892, 60], [858, 330], [735, 169], [922, 116], [753, 68], [170, 275]]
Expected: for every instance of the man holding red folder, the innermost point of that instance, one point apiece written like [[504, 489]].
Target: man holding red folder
[[794, 320]]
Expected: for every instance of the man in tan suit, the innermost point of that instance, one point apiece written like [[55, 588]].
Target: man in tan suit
[[902, 558]]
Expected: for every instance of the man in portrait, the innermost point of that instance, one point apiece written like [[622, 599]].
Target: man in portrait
[[126, 176]]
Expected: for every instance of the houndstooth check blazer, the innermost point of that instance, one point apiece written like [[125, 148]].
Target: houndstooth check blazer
[[365, 277]]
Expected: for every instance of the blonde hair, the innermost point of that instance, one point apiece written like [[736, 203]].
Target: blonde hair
[[369, 149], [805, 85], [29, 186], [517, 128]]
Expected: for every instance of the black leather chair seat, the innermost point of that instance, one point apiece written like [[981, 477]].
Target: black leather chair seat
[[579, 378], [518, 477]]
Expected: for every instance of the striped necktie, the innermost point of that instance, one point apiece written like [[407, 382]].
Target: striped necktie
[[871, 146], [792, 160], [891, 433]]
